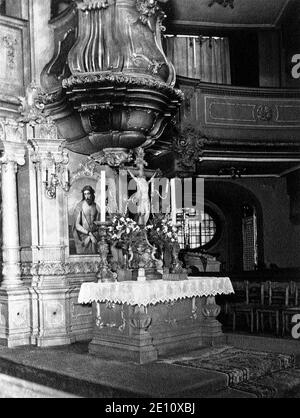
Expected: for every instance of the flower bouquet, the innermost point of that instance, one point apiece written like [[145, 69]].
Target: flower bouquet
[[161, 230], [121, 232]]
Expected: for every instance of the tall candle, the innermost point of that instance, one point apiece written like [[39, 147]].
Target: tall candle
[[173, 201], [66, 175], [103, 196]]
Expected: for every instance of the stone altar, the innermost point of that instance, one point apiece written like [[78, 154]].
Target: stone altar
[[139, 321]]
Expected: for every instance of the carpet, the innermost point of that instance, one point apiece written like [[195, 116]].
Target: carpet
[[285, 384], [240, 365]]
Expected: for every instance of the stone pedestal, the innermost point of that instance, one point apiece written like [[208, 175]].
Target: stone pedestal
[[15, 317]]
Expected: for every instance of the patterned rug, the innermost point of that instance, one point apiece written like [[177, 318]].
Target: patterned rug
[[283, 384], [240, 365]]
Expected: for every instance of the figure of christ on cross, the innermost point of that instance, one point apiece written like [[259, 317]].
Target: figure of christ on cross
[[141, 197]]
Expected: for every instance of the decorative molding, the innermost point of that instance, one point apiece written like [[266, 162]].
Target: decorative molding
[[87, 5], [114, 157], [263, 112], [122, 80], [10, 43], [61, 269]]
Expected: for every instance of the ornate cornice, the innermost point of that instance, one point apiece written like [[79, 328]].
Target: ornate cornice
[[120, 79]]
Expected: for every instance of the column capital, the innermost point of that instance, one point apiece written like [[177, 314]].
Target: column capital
[[12, 137], [41, 151]]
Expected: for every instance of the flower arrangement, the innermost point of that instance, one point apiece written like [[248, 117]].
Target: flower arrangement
[[161, 230], [122, 229]]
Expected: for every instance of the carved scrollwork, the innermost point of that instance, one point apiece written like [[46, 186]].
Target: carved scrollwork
[[147, 9], [114, 157], [87, 168], [32, 106], [188, 146]]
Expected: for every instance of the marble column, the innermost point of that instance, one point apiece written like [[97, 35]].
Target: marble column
[[10, 226], [15, 317]]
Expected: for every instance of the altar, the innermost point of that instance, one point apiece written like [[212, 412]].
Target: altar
[[140, 321]]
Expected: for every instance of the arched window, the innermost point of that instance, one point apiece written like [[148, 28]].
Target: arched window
[[198, 231]]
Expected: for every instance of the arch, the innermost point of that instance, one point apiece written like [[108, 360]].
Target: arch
[[230, 197]]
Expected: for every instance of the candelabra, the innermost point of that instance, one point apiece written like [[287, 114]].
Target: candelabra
[[105, 274], [58, 175]]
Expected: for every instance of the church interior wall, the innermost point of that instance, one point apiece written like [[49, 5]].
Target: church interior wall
[[281, 236]]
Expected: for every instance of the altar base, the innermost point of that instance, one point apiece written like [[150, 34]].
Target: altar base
[[142, 334]]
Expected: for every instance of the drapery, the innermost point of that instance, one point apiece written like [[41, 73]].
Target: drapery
[[205, 58]]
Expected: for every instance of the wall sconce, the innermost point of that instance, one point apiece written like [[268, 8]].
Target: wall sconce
[[58, 175]]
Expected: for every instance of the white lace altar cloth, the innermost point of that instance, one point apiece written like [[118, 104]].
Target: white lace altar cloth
[[153, 291]]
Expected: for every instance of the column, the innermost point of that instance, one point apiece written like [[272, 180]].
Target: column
[[10, 226], [15, 318]]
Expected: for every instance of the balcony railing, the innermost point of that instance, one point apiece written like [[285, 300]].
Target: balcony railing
[[223, 111]]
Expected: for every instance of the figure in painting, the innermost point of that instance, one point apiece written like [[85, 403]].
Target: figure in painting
[[85, 232]]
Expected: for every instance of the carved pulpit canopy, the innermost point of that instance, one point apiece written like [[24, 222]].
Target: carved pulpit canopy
[[117, 78]]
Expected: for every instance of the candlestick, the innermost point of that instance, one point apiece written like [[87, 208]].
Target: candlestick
[[103, 196], [67, 175], [173, 201]]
